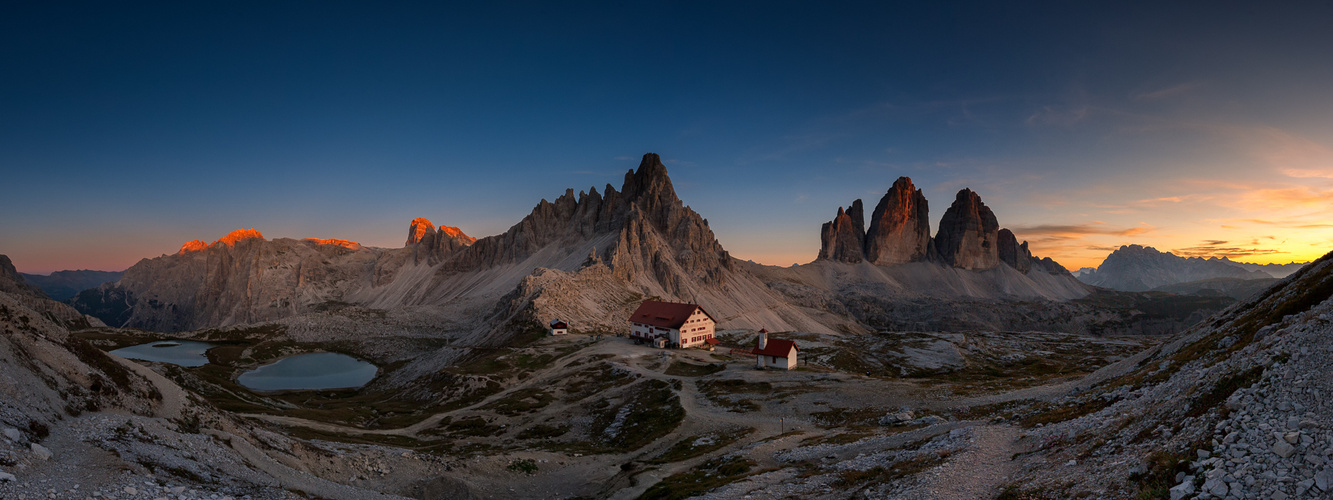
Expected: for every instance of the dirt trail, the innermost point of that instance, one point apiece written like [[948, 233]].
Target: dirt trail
[[979, 472]]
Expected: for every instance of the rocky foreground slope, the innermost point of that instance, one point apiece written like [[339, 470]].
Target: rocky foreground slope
[[1239, 407]]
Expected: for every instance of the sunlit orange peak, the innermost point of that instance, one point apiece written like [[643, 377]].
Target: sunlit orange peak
[[419, 228], [193, 246], [238, 235], [335, 241], [457, 233]]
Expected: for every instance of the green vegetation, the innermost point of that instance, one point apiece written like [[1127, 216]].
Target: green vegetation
[[521, 401], [595, 379], [542, 431], [699, 445], [1050, 414], [653, 410], [526, 466], [700, 480], [879, 474], [841, 417], [1223, 390], [717, 392], [1156, 483], [682, 369]]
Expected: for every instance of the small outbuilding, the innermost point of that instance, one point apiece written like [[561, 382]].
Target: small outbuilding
[[775, 353], [559, 327]]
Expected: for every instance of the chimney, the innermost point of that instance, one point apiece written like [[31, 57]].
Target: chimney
[[763, 339]]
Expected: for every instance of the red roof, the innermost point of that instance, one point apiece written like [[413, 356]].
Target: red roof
[[665, 314], [776, 347], [559, 324], [712, 341]]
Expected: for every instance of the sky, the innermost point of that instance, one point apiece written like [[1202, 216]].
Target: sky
[[1200, 128]]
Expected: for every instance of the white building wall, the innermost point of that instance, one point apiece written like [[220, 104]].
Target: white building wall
[[777, 362], [698, 328]]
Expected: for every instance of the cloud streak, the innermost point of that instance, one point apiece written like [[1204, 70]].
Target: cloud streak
[[1168, 92], [1079, 230]]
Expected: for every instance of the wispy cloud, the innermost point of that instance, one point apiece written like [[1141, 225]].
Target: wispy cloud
[[1079, 230], [1209, 250], [1059, 116], [1168, 92]]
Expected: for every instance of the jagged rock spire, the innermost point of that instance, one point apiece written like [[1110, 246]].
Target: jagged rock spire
[[969, 234], [899, 227], [842, 238]]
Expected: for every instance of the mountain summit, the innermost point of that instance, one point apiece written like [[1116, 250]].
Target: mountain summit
[[969, 236]]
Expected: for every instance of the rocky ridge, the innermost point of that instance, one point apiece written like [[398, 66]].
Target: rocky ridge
[[969, 236], [1136, 268], [63, 285], [652, 243]]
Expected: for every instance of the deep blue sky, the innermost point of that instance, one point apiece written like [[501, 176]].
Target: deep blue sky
[[1198, 127]]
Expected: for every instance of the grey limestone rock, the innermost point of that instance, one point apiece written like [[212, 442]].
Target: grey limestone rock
[[899, 226], [40, 451], [969, 234]]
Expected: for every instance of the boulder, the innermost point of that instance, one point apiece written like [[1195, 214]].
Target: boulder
[[40, 451]]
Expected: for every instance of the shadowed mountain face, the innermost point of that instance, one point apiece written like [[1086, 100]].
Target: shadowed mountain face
[[1135, 268], [969, 234], [63, 285]]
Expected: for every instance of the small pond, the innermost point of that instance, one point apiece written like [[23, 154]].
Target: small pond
[[321, 370], [176, 352]]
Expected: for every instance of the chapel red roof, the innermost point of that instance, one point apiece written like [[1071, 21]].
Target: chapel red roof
[[665, 314], [712, 341], [777, 347]]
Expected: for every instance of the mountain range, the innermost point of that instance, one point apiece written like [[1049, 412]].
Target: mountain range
[[1138, 268], [589, 258], [64, 285]]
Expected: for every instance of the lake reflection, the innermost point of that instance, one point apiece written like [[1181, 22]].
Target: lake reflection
[[176, 352], [323, 370]]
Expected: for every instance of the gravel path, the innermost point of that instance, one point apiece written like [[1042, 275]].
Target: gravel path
[[979, 472]]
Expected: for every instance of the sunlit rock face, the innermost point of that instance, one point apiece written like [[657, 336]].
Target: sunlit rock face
[[352, 245], [899, 227], [418, 229], [969, 234], [842, 238], [239, 235], [435, 246], [192, 246]]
